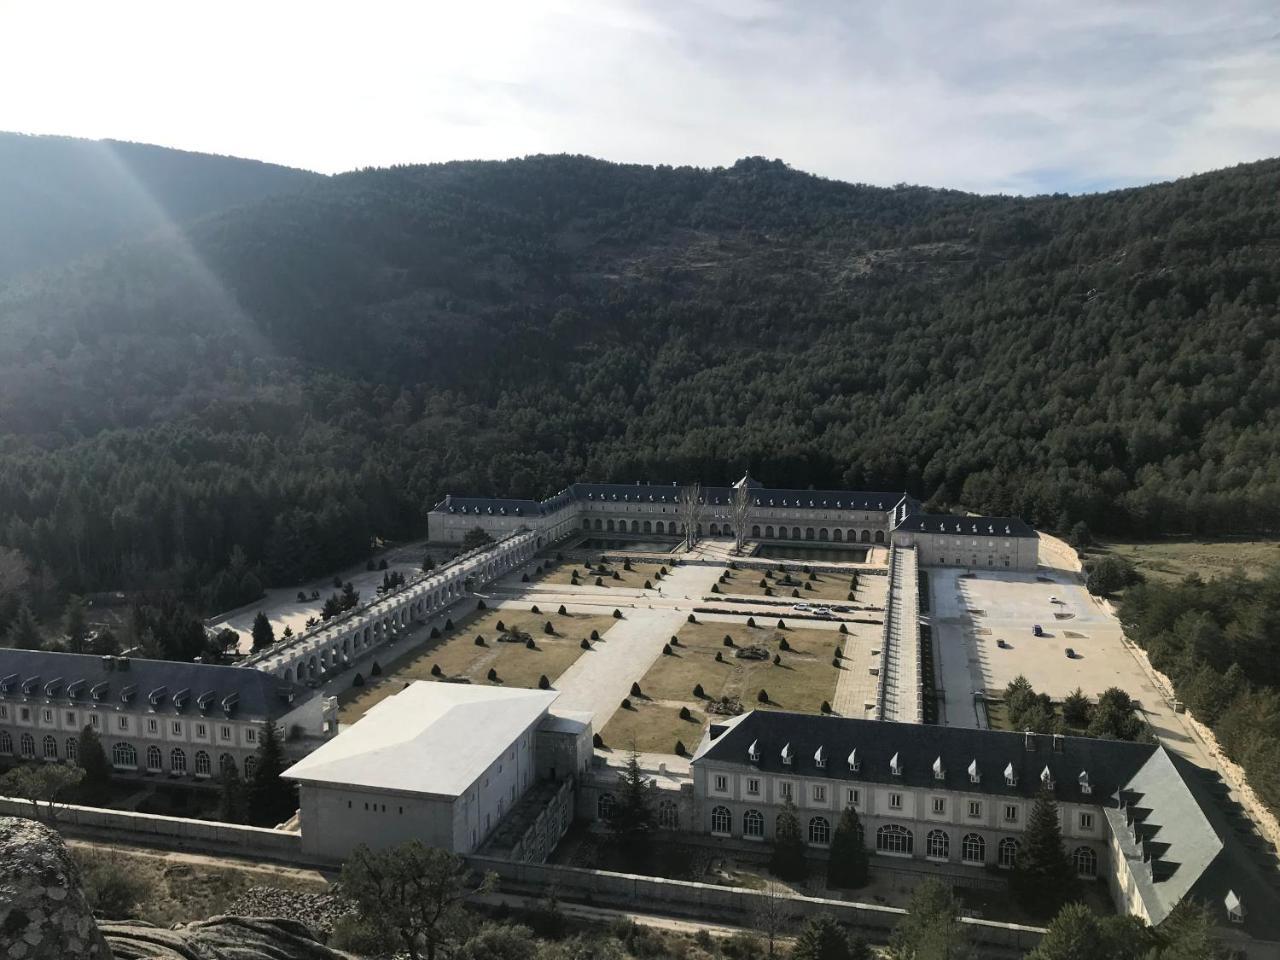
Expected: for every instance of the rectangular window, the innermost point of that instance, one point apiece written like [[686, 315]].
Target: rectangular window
[[852, 797], [786, 791], [123, 722], [753, 785], [895, 801], [71, 719], [975, 808], [250, 735], [26, 714], [48, 716], [93, 720], [819, 794], [153, 726], [176, 728], [225, 732], [722, 782], [1086, 821], [939, 805], [1011, 813], [4, 712]]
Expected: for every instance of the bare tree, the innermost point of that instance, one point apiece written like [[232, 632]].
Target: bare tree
[[743, 502], [773, 914], [691, 511]]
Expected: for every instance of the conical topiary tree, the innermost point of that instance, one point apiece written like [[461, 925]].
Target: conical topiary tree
[[1043, 876], [847, 867]]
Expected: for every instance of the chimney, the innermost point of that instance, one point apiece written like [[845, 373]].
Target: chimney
[[1029, 740]]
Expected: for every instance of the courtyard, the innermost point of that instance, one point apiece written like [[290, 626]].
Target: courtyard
[[853, 588]]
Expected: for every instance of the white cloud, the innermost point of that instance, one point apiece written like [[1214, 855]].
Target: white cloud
[[1002, 95]]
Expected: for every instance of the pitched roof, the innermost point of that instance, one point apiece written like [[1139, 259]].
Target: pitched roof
[[169, 685], [430, 738], [966, 526], [1106, 764]]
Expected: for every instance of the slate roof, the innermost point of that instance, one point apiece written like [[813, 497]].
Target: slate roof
[[182, 688], [1107, 764], [966, 526], [1186, 846]]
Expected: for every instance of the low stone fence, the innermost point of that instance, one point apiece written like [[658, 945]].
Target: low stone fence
[[172, 833], [704, 901]]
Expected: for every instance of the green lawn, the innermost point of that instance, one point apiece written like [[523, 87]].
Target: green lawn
[[1174, 559]]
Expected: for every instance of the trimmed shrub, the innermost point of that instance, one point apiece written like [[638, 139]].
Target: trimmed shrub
[[836, 663], [762, 696], [812, 575], [302, 597], [544, 683], [681, 749], [795, 593], [492, 674], [635, 689], [685, 714], [595, 634], [850, 596], [617, 614], [599, 582], [839, 653], [597, 740], [626, 564], [826, 707], [781, 624], [626, 703], [479, 640], [666, 650], [617, 575], [764, 583], [808, 586], [548, 629], [783, 645], [675, 641], [376, 669], [534, 609], [698, 691], [502, 627], [585, 644], [692, 618], [751, 621], [648, 584], [357, 681], [719, 657], [844, 628], [562, 611], [728, 640], [662, 571], [481, 605], [436, 671], [768, 591], [530, 645], [777, 659], [714, 588]]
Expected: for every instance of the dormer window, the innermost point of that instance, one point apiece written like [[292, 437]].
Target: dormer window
[[854, 763], [1010, 778], [1235, 909], [1046, 778], [98, 690], [939, 772], [895, 766], [820, 759], [128, 693], [753, 751], [29, 685], [787, 755], [974, 775], [1085, 786]]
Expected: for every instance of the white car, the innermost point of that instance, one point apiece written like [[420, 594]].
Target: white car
[[1054, 600], [823, 611], [803, 607]]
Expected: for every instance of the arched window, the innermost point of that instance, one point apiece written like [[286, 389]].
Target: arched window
[[973, 849], [177, 761], [753, 824], [768, 532], [203, 766], [755, 530], [837, 535], [6, 742], [250, 764], [808, 533], [598, 524], [721, 820], [73, 749], [635, 526], [28, 746], [123, 755], [227, 762], [50, 746], [154, 759], [605, 806], [795, 533], [866, 536], [659, 527], [938, 845], [819, 831], [586, 523], [1086, 862], [822, 533], [715, 529], [668, 815], [1008, 853], [879, 536], [894, 839]]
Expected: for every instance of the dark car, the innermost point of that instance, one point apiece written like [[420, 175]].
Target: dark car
[[1037, 631], [1071, 654]]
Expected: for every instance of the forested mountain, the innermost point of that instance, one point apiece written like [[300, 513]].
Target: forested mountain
[[61, 198], [294, 376]]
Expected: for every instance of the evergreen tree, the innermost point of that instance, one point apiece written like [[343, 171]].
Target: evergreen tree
[[263, 635], [1043, 873], [1075, 709], [24, 632], [931, 930], [788, 857], [1187, 934], [632, 819], [847, 866], [97, 770], [75, 625], [270, 798], [104, 643], [231, 802], [1081, 538], [1079, 933], [1114, 717], [821, 938]]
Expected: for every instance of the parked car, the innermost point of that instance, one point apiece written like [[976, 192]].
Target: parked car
[[1001, 644], [1054, 600], [842, 609], [803, 607], [1071, 654], [1037, 631], [822, 611]]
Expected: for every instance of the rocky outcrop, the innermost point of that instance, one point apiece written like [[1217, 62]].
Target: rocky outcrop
[[44, 916], [43, 913]]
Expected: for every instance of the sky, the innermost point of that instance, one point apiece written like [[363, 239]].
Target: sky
[[985, 95]]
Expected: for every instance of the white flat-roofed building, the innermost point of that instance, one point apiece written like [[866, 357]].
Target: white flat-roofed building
[[437, 762]]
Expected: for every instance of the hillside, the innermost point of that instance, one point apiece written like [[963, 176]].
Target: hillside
[[299, 374], [62, 198]]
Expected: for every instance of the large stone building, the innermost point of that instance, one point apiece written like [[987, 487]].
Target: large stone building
[[838, 519], [1133, 815], [155, 718], [443, 763]]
